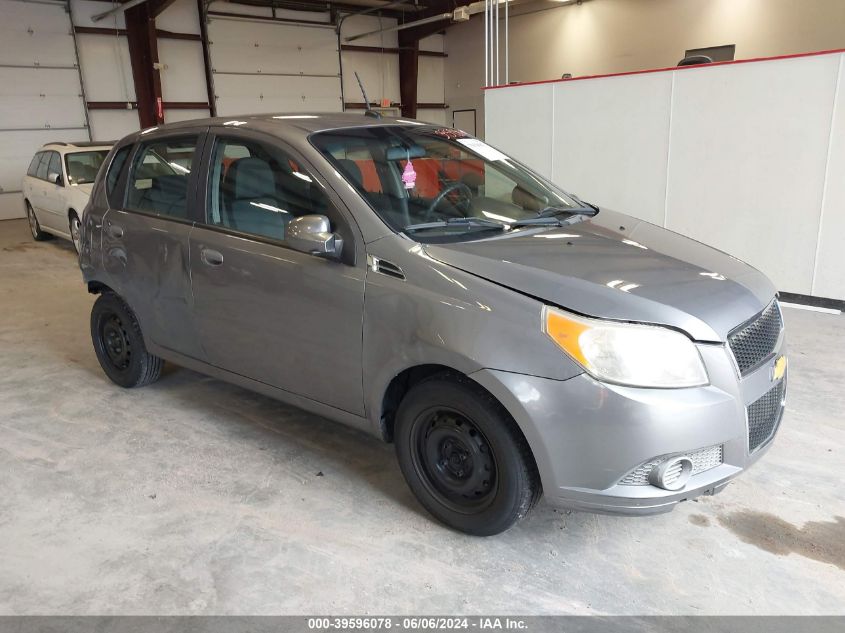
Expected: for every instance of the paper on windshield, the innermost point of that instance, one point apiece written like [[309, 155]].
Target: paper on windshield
[[482, 149]]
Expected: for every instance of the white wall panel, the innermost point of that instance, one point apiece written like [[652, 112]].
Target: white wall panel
[[40, 97], [179, 17], [172, 116], [748, 152], [266, 47], [430, 86], [245, 94], [183, 75], [112, 125], [379, 73], [84, 9], [357, 24], [829, 280], [520, 121], [745, 157], [436, 42], [35, 34], [273, 66], [437, 116], [611, 141], [106, 70]]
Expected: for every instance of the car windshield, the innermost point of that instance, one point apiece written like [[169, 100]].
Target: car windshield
[[440, 183], [82, 167]]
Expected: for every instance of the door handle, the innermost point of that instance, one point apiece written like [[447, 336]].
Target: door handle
[[211, 257], [115, 231]]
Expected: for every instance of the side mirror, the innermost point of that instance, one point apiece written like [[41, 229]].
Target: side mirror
[[312, 234], [55, 178]]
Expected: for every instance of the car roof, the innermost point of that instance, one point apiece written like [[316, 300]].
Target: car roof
[[305, 121], [66, 145]]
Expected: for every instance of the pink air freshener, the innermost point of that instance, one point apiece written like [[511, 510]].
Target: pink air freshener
[[409, 176]]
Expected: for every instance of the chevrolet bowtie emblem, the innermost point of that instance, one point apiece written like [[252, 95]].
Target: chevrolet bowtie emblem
[[779, 368]]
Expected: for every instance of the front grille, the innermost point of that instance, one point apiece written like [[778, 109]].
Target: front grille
[[755, 340], [702, 460], [764, 415]]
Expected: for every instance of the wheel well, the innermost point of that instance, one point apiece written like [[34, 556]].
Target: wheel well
[[98, 288], [398, 387], [70, 212]]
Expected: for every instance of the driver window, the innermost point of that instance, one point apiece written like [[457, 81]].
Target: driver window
[[256, 188]]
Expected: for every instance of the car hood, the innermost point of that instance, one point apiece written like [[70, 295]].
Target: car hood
[[617, 267]]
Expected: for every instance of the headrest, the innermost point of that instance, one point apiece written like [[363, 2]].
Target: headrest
[[251, 177], [350, 169]]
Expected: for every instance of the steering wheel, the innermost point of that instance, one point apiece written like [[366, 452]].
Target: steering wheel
[[466, 198]]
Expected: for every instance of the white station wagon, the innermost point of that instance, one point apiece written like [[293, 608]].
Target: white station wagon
[[57, 186]]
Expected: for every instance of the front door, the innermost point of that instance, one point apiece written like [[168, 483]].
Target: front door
[[263, 310], [145, 240]]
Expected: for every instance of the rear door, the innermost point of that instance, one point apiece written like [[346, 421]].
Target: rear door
[[145, 237], [264, 311], [53, 202]]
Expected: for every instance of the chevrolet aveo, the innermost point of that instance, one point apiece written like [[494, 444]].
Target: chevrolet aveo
[[416, 283]]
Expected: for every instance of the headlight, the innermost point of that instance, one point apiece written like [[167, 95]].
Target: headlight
[[627, 353]]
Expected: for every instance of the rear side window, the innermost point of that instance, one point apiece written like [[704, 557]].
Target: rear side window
[[33, 166], [41, 171], [113, 175], [158, 182], [55, 165]]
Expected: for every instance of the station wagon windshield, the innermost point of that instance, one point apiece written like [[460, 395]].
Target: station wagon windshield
[[441, 184]]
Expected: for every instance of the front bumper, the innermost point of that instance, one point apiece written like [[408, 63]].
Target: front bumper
[[586, 436]]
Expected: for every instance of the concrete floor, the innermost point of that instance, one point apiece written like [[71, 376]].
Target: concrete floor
[[196, 497]]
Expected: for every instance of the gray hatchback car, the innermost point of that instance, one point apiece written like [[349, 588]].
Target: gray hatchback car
[[414, 282]]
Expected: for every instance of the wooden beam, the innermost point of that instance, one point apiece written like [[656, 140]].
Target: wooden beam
[[143, 57], [160, 33], [409, 58], [206, 58], [379, 49]]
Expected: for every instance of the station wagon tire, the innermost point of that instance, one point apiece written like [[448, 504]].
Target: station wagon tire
[[464, 457], [75, 229], [119, 344], [34, 227]]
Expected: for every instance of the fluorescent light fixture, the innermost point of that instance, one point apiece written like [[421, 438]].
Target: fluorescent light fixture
[[267, 207], [234, 123], [296, 116], [500, 218], [302, 176]]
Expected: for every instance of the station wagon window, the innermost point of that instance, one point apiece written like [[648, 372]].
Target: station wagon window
[[158, 182], [33, 165], [257, 188], [55, 165], [41, 172]]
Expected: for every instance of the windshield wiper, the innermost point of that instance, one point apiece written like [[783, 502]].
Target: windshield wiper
[[553, 211], [468, 222]]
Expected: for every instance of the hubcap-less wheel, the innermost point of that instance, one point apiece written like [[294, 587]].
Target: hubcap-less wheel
[[33, 222], [454, 460], [116, 342], [76, 232]]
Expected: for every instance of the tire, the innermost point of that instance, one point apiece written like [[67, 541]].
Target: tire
[[464, 457], [75, 230], [119, 344], [34, 226]]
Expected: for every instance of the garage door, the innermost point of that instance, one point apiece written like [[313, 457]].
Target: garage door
[[270, 66], [40, 92]]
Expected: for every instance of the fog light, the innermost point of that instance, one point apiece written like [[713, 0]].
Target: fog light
[[673, 474]]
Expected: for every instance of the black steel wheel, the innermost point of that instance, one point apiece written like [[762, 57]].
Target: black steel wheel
[[34, 227], [119, 345], [464, 457], [454, 459]]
